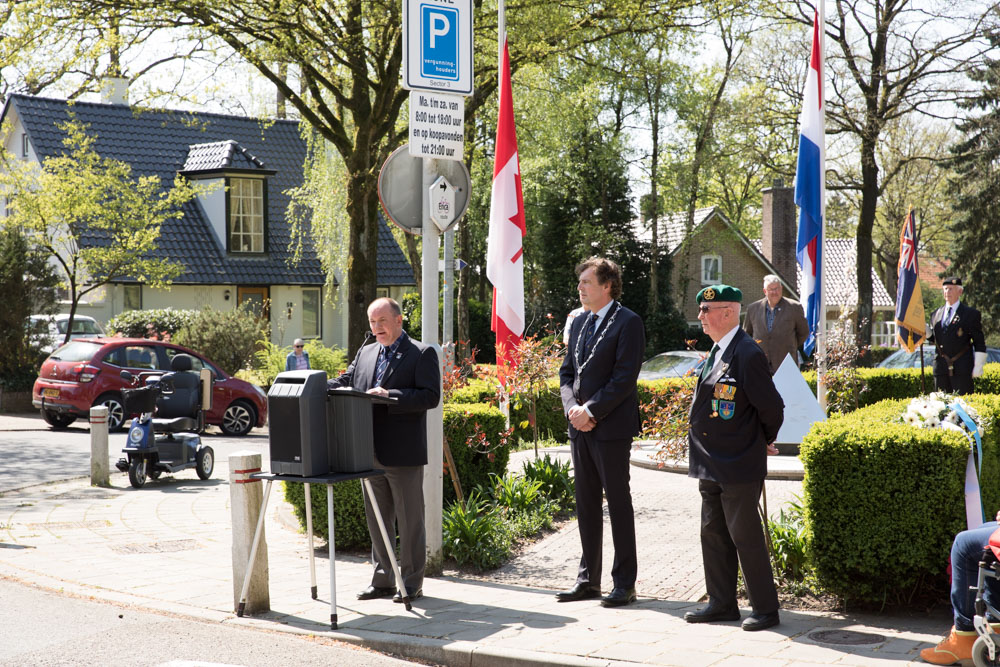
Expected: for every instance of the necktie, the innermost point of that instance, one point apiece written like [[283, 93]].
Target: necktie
[[383, 363], [949, 314], [707, 368], [591, 326], [770, 317]]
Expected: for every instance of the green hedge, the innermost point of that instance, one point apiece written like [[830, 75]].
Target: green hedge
[[551, 421], [153, 321], [883, 499], [473, 468]]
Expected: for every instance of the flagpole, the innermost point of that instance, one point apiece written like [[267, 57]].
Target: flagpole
[[501, 36], [821, 327]]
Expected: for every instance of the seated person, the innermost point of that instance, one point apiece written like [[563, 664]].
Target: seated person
[[966, 551]]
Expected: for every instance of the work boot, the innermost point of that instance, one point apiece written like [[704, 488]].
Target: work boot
[[955, 647]]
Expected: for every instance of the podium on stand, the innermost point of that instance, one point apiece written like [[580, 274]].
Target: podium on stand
[[295, 438]]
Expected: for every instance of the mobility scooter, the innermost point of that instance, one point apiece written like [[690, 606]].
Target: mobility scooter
[[164, 437]]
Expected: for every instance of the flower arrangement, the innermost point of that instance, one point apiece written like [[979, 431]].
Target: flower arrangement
[[937, 410]]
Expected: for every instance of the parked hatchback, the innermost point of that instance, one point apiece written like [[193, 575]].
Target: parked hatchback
[[86, 372], [676, 364], [49, 331]]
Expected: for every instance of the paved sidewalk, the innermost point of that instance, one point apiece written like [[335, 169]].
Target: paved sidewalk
[[167, 547]]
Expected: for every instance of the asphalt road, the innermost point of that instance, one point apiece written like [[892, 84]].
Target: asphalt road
[[41, 455], [39, 627]]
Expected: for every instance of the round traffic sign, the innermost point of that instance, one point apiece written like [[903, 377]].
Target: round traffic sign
[[401, 192]]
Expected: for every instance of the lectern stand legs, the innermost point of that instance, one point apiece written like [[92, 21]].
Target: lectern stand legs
[[390, 547], [309, 532]]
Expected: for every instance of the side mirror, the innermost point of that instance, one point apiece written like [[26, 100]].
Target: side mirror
[[125, 375]]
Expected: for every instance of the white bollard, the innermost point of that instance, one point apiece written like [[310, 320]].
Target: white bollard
[[99, 446], [245, 497]]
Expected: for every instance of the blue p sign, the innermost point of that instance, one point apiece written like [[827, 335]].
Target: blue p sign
[[439, 42]]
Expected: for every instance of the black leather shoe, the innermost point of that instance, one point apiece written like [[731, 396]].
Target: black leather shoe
[[373, 592], [756, 621], [398, 597], [579, 592], [713, 613], [618, 597]]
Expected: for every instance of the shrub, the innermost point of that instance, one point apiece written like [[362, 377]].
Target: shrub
[[519, 494], [227, 337], [158, 322], [269, 360], [476, 533], [884, 499], [351, 527], [787, 535]]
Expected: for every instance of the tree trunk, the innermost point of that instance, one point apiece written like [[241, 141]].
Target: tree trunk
[[866, 222], [416, 262]]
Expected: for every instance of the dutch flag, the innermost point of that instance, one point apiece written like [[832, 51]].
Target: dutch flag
[[810, 189]]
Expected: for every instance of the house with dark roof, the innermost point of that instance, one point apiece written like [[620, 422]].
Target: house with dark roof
[[234, 240], [713, 250]]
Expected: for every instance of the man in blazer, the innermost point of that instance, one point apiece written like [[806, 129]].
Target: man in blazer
[[735, 416], [777, 324], [598, 388], [409, 371], [957, 331]]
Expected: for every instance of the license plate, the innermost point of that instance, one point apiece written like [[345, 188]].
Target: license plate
[[50, 393]]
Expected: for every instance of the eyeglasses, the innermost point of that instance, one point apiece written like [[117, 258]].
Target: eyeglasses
[[705, 309], [298, 346]]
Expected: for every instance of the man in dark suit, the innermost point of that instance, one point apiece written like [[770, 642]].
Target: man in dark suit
[[735, 416], [598, 388], [777, 324], [957, 330], [409, 371]]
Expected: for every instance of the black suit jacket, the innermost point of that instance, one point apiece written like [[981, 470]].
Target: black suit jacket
[[965, 330], [608, 381], [413, 378], [731, 447]]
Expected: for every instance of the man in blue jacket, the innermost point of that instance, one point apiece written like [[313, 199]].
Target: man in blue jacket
[[298, 358], [734, 419]]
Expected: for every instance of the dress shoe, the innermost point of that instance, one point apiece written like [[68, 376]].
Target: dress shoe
[[955, 647], [579, 592], [757, 621], [618, 597], [413, 595], [712, 613], [373, 592]]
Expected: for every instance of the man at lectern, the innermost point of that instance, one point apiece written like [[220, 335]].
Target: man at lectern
[[397, 367]]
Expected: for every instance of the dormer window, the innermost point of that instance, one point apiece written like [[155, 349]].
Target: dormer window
[[247, 221]]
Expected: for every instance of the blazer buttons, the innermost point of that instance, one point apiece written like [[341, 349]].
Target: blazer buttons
[[703, 433]]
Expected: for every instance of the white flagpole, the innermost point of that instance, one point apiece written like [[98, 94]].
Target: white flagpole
[[821, 326], [501, 36]]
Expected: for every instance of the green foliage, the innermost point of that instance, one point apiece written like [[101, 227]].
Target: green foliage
[[27, 282], [481, 337], [351, 529], [475, 463], [151, 323], [475, 533], [787, 535], [519, 494], [554, 480], [227, 337], [884, 499], [269, 360]]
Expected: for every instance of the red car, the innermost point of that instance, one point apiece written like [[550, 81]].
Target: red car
[[85, 372]]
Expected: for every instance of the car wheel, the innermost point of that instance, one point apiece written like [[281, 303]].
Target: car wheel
[[238, 418], [57, 420], [205, 462], [116, 411]]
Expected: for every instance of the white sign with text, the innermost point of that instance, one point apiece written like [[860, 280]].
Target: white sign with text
[[437, 125]]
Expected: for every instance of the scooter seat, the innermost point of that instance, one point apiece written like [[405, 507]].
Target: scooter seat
[[175, 425]]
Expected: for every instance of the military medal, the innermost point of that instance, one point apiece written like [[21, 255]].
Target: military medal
[[960, 332], [715, 407]]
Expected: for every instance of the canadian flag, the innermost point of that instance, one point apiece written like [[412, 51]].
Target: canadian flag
[[504, 265]]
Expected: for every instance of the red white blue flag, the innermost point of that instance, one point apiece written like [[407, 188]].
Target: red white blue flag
[[910, 317], [810, 189], [504, 262]]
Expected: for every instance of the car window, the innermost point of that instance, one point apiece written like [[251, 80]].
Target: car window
[[89, 327], [669, 363], [141, 357], [196, 363], [76, 350]]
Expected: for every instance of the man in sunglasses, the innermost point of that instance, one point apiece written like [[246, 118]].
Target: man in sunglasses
[[734, 419], [298, 358]]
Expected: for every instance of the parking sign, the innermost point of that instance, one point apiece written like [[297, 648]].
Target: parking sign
[[437, 46]]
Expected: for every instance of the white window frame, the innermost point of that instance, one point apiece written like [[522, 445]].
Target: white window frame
[[706, 261], [246, 215], [317, 331], [24, 144]]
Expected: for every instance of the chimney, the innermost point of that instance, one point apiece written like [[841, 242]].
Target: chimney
[[114, 90], [778, 232]]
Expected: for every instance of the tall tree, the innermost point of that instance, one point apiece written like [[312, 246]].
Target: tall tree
[[80, 195], [977, 184]]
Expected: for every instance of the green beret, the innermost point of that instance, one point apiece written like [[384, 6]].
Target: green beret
[[720, 293]]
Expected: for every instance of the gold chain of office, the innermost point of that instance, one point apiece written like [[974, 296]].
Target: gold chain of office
[[604, 330]]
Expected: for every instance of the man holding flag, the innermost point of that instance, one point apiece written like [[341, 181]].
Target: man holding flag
[[957, 330]]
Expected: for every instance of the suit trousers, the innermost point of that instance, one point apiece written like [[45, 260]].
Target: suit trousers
[[731, 528], [603, 466], [400, 497], [959, 383]]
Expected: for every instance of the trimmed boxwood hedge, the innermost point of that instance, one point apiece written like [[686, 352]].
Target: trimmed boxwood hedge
[[551, 422], [473, 468], [883, 500]]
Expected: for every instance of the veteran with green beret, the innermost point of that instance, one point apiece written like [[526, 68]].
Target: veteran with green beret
[[734, 419]]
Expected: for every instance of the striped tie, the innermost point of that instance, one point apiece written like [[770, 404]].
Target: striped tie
[[383, 364]]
